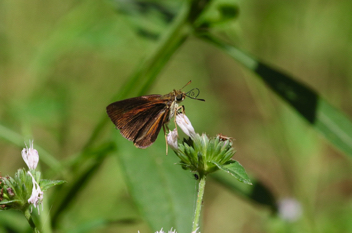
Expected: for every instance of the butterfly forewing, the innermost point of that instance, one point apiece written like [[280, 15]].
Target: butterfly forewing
[[117, 109], [139, 119]]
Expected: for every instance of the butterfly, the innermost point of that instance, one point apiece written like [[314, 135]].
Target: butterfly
[[140, 119]]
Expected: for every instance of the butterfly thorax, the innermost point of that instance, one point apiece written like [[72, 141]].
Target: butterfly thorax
[[174, 98]]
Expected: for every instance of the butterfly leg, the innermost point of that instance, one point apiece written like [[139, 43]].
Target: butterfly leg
[[167, 145]]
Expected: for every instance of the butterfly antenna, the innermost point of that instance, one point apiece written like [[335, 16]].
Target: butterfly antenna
[[186, 84], [193, 94]]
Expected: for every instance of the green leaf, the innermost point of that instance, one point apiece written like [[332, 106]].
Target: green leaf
[[46, 184], [163, 192], [9, 202], [235, 169], [326, 119]]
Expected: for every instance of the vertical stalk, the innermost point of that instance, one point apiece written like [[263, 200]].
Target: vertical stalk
[[28, 216], [197, 212]]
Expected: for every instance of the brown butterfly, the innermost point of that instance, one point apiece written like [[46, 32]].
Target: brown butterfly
[[140, 119]]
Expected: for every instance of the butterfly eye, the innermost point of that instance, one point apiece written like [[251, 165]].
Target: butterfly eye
[[179, 97]]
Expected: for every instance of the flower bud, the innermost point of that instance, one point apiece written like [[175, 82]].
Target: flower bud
[[185, 124], [30, 156], [172, 139]]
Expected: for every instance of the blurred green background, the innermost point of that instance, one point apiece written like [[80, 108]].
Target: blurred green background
[[61, 63]]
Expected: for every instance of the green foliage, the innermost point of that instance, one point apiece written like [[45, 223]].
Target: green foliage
[[327, 120], [61, 63]]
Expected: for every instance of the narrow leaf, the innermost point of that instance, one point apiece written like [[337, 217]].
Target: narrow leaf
[[46, 184], [8, 202], [235, 169], [326, 119]]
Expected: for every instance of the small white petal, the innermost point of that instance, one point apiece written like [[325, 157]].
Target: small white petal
[[170, 231], [30, 156], [172, 139], [185, 124]]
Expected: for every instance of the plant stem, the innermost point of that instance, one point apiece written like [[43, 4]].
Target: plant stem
[[242, 57], [28, 216], [201, 188]]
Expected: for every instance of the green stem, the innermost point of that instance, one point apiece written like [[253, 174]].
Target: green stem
[[245, 59], [201, 188], [28, 216]]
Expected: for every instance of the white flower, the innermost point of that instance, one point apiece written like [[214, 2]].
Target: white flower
[[290, 209], [37, 194], [172, 139], [30, 156], [185, 124]]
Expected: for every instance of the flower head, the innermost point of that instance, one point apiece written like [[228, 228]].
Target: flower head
[[30, 156], [23, 190], [204, 155]]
